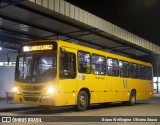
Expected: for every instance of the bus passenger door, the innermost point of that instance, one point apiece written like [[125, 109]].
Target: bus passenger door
[[67, 77]]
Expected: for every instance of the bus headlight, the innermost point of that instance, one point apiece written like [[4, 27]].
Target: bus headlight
[[50, 90], [15, 90]]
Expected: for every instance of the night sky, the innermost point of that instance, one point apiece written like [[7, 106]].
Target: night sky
[[141, 17]]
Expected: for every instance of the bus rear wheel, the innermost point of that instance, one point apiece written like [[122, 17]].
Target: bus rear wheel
[[82, 101], [132, 99]]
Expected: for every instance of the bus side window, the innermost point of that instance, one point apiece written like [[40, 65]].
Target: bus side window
[[124, 68], [142, 72], [68, 65], [84, 62], [98, 64], [149, 73], [133, 70], [112, 67], [82, 67], [110, 71]]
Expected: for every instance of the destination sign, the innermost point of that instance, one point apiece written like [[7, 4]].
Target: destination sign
[[37, 48]]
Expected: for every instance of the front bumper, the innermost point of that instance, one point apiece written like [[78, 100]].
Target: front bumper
[[36, 100]]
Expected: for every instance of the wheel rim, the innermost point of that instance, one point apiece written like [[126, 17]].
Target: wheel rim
[[82, 101]]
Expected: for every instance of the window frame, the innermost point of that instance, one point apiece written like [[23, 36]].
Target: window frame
[[151, 73], [135, 72], [34, 65], [99, 64], [124, 68], [78, 61], [139, 72], [112, 66]]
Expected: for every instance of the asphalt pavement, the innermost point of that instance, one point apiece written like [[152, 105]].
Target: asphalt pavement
[[10, 106]]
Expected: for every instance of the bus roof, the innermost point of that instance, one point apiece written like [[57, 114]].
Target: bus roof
[[92, 50], [100, 52]]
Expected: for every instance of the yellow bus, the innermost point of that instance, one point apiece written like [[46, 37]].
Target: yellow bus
[[59, 73]]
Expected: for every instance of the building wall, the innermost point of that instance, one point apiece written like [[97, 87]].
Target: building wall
[[6, 79], [7, 72], [7, 53], [156, 84]]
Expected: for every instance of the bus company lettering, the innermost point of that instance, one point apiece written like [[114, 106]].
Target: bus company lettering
[[99, 78]]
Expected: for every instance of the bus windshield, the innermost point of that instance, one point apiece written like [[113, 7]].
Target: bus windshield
[[36, 68]]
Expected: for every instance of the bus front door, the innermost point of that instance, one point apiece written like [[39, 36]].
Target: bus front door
[[67, 77]]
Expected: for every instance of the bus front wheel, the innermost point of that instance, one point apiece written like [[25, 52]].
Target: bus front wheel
[[132, 99], [82, 101]]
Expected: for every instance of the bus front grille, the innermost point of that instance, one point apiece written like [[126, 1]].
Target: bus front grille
[[31, 87], [31, 93], [31, 99]]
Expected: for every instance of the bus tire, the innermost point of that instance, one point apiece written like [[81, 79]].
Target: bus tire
[[82, 101], [132, 99]]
